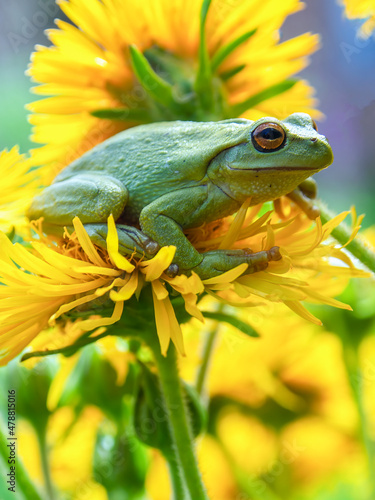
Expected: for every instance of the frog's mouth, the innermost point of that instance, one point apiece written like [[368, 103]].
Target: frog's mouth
[[289, 169], [281, 169]]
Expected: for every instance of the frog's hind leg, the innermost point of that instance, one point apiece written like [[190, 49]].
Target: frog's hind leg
[[93, 198], [216, 262]]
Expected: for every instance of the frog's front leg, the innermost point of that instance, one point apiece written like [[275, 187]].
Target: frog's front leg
[[304, 195], [131, 241], [93, 198], [164, 219]]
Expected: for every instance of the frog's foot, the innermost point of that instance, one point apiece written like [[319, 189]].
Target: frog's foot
[[131, 240], [304, 195], [216, 262]]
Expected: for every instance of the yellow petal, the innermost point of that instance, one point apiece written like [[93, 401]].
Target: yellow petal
[[117, 259], [174, 327], [299, 309], [233, 234], [127, 290], [227, 277], [155, 267], [71, 305], [329, 226], [87, 244], [91, 324], [159, 290], [187, 284], [191, 306], [162, 323]]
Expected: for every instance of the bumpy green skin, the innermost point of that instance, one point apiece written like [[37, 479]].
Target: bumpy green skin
[[167, 177]]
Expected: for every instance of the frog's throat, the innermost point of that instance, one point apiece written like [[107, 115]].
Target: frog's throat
[[260, 184]]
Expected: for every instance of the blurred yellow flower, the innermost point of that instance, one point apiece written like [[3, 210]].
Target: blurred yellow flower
[[323, 451], [285, 408], [361, 9], [70, 454], [90, 68], [50, 280], [365, 379], [17, 190], [157, 482], [247, 440]]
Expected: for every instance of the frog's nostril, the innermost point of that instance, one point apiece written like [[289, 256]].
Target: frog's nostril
[[313, 139]]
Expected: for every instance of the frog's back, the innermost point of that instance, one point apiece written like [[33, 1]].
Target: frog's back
[[170, 154]]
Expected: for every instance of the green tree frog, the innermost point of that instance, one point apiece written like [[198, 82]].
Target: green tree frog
[[162, 178]]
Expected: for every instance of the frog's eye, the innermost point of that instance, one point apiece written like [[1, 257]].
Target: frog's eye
[[268, 137], [315, 126]]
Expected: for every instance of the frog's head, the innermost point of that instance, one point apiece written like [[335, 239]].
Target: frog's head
[[276, 157]]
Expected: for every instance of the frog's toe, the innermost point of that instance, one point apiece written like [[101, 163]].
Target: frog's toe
[[274, 254], [255, 268], [151, 247], [313, 212], [172, 270], [132, 240]]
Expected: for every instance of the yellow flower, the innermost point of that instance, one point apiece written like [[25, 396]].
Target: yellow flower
[[361, 9], [52, 282], [18, 187], [90, 69], [46, 283]]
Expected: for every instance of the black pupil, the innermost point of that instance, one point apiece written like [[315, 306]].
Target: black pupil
[[270, 134]]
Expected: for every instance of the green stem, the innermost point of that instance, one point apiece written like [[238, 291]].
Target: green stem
[[45, 464], [342, 233], [178, 421], [206, 358], [24, 483], [178, 485]]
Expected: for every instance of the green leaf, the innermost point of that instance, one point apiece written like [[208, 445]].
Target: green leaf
[[11, 234], [66, 351], [157, 88], [230, 47], [263, 95], [93, 381], [151, 420], [32, 387], [204, 75], [123, 114], [232, 320], [25, 487], [120, 462], [231, 72], [197, 412], [204, 11], [150, 413]]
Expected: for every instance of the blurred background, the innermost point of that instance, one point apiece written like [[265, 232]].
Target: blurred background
[[342, 72]]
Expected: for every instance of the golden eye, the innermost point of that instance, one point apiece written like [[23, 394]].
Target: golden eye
[[268, 137], [315, 126]]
